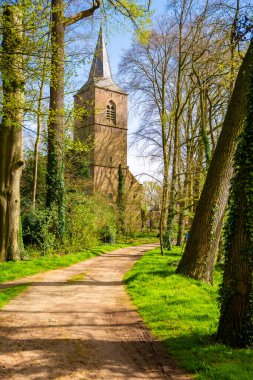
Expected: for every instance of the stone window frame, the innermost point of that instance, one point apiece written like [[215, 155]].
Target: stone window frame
[[111, 112]]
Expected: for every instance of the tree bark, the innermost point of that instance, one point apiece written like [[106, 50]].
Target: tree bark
[[55, 178], [199, 256], [11, 149], [236, 322]]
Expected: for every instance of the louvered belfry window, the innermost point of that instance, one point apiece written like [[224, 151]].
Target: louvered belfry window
[[111, 112]]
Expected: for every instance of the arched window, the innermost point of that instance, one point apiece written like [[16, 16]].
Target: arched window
[[111, 112]]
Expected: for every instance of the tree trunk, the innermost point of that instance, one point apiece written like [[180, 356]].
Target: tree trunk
[[11, 149], [181, 219], [37, 141], [236, 322], [121, 202], [55, 173], [165, 196], [199, 256]]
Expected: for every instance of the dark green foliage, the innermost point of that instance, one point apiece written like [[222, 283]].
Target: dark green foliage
[[236, 292], [78, 164], [82, 169], [31, 228], [39, 229], [107, 235], [55, 195]]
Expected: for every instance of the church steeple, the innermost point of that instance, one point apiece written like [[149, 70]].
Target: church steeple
[[100, 72], [100, 67]]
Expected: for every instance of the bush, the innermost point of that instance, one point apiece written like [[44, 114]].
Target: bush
[[90, 219], [38, 229], [107, 235]]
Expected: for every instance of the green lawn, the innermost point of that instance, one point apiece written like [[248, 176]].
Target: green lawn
[[10, 271], [183, 313]]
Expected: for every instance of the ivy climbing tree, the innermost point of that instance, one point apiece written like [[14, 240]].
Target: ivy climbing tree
[[121, 202], [236, 292]]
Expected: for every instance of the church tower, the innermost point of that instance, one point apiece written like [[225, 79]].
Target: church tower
[[101, 119]]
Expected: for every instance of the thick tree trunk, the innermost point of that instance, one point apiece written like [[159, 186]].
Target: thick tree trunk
[[55, 172], [236, 320], [11, 150], [199, 256]]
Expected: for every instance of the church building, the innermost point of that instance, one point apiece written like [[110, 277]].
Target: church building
[[101, 120]]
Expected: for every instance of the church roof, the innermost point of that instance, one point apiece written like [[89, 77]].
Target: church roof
[[100, 72]]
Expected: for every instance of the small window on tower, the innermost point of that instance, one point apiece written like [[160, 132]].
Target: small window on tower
[[111, 112]]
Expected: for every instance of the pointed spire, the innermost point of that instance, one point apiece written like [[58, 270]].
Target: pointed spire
[[100, 72], [100, 67]]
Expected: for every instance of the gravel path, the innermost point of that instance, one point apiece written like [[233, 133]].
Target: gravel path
[[85, 327]]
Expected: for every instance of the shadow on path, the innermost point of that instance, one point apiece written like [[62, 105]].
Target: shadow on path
[[62, 357]]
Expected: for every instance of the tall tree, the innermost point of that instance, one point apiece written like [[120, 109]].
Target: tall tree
[[199, 255], [147, 72], [11, 148], [181, 12], [236, 292]]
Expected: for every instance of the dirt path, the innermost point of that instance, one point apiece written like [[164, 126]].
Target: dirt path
[[86, 329]]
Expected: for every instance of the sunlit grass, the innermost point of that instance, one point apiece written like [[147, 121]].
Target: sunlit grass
[[183, 313]]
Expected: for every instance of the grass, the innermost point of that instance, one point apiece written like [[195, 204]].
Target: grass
[[10, 271], [77, 277], [9, 293], [183, 313]]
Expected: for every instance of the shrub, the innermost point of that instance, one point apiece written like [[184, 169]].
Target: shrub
[[90, 218], [107, 235], [38, 229]]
